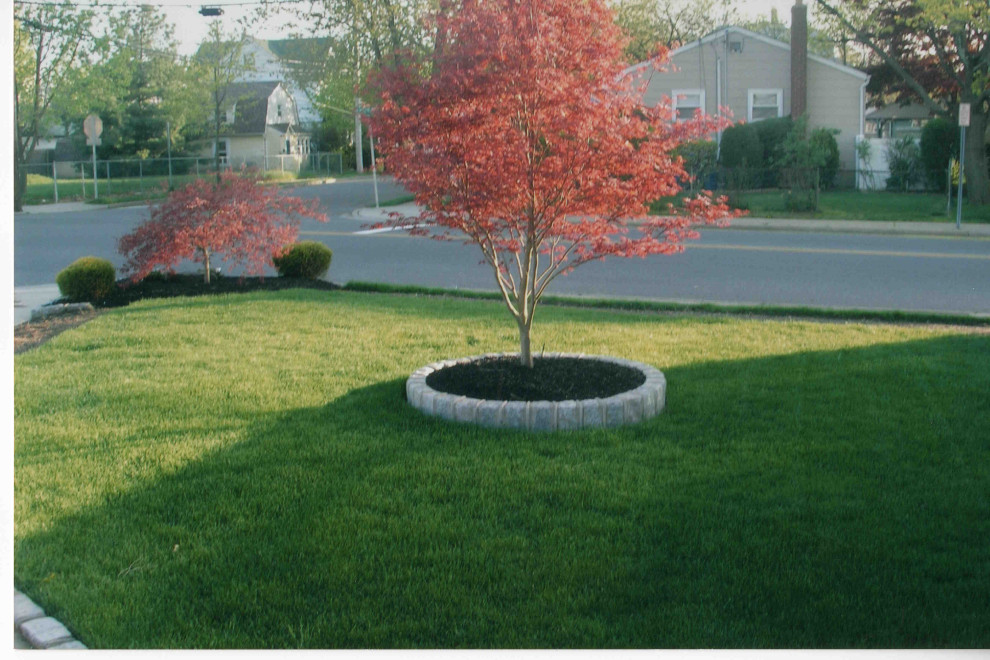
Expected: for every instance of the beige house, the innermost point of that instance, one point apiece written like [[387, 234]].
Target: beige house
[[757, 78], [261, 129]]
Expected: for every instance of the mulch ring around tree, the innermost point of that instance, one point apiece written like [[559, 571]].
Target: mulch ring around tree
[[550, 379], [31, 334]]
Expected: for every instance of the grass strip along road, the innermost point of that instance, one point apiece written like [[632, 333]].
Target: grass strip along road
[[242, 471]]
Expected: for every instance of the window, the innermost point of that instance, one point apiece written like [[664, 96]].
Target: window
[[765, 104], [221, 150], [684, 103]]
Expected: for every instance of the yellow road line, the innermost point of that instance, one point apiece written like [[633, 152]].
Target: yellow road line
[[330, 233], [723, 246], [866, 253]]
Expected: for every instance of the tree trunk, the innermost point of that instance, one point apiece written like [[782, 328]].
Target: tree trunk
[[20, 184], [206, 265], [977, 181], [216, 146], [525, 352]]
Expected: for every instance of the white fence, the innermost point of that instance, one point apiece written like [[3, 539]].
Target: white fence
[[873, 167]]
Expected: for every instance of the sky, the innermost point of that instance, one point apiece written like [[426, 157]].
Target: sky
[[191, 27]]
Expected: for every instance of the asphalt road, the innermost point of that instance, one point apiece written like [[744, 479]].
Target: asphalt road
[[45, 243], [726, 265]]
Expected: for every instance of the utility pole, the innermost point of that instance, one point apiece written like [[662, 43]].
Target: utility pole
[[964, 111], [358, 137]]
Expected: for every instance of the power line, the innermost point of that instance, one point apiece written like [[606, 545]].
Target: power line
[[128, 5]]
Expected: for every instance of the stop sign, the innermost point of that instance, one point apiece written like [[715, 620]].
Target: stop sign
[[93, 127]]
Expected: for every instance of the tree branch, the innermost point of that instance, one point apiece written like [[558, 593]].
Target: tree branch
[[908, 79]]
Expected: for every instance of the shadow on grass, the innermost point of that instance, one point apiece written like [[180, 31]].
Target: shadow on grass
[[827, 499]]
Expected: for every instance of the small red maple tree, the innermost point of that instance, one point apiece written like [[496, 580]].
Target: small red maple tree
[[245, 222], [524, 134]]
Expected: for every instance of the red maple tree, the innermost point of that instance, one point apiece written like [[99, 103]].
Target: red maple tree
[[524, 134], [246, 223]]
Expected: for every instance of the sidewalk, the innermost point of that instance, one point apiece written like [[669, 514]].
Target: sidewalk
[[29, 298], [973, 230], [61, 207]]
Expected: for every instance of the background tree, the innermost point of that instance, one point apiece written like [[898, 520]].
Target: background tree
[[49, 40], [149, 51], [936, 52], [133, 78], [520, 135], [220, 60], [669, 23], [244, 222], [361, 34]]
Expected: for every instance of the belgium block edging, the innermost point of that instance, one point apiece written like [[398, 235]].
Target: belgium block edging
[[632, 407], [42, 632]]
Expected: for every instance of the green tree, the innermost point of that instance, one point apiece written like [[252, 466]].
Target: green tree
[[939, 145], [150, 52], [219, 62], [649, 23], [362, 34], [937, 52], [134, 79], [49, 40]]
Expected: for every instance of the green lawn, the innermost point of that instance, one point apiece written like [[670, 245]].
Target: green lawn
[[852, 205], [243, 471], [41, 189]]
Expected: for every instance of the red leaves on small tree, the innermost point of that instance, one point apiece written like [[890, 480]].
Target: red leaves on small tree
[[245, 222], [524, 134]]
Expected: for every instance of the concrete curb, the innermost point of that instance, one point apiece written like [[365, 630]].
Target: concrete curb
[[49, 310], [971, 230], [632, 407], [40, 631]]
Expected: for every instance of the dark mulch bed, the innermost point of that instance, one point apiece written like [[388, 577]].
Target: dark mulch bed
[[188, 284], [550, 379]]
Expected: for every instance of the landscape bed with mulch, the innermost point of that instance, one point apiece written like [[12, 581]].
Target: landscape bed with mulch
[[550, 379]]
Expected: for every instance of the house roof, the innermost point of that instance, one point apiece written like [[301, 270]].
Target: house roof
[[287, 129], [299, 50], [722, 32], [895, 111], [250, 102]]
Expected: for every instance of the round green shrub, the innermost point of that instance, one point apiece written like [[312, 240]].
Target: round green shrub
[[308, 260], [741, 147], [89, 279], [772, 133], [939, 145], [825, 154]]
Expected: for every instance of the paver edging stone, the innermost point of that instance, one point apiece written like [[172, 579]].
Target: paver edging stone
[[42, 632], [631, 407]]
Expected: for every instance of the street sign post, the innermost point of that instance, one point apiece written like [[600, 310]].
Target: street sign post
[[964, 113], [93, 128]]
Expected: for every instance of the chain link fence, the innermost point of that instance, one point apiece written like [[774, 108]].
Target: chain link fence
[[62, 181]]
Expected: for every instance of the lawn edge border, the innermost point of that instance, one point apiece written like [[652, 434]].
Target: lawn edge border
[[626, 408], [38, 629], [655, 306]]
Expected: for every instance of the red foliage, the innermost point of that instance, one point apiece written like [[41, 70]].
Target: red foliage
[[525, 134], [244, 221]]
